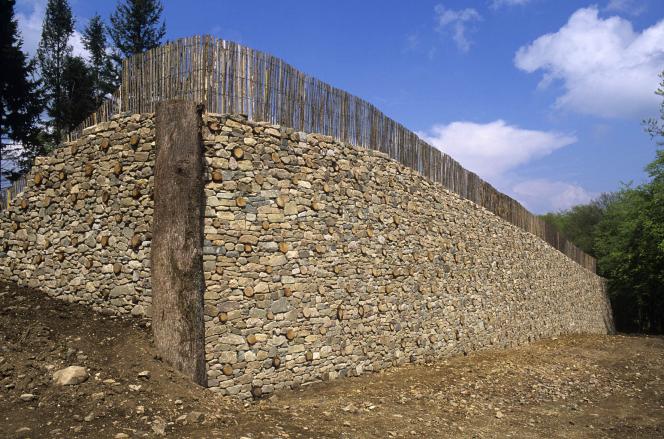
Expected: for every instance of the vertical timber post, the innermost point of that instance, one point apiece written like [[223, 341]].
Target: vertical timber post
[[177, 239]]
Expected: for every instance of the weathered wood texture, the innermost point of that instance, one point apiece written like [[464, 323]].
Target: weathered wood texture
[[230, 78], [8, 194], [177, 239]]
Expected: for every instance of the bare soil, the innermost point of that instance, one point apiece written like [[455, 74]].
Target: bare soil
[[570, 387]]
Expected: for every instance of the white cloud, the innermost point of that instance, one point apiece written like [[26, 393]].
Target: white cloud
[[632, 7], [542, 195], [492, 149], [457, 22], [30, 26], [413, 44], [607, 69], [496, 150], [498, 3]]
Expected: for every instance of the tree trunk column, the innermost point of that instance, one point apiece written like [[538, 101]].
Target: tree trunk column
[[177, 239]]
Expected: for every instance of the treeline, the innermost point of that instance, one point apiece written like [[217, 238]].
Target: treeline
[[624, 230], [43, 98]]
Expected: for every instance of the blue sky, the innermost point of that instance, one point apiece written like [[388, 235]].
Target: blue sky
[[542, 98]]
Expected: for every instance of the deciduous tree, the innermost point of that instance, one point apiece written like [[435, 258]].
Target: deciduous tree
[[630, 247], [655, 127], [625, 231]]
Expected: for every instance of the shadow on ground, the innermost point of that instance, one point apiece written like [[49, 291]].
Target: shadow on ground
[[570, 387]]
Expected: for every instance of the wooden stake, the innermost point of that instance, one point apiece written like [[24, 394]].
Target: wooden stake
[[177, 239]]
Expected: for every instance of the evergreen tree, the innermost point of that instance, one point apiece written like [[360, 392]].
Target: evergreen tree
[[103, 72], [137, 26], [53, 51], [20, 98], [79, 92]]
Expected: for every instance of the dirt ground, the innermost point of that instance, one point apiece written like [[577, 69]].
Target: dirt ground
[[570, 387]]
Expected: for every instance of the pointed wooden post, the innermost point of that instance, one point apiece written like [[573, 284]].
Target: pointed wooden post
[[177, 239]]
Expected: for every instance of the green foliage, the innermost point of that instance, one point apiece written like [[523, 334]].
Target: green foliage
[[653, 126], [136, 26], [79, 92], [20, 98], [105, 76], [53, 51], [630, 246], [625, 232], [578, 223]]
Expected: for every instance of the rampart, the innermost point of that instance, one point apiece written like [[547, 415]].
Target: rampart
[[320, 259], [229, 78], [324, 260], [268, 256], [81, 228]]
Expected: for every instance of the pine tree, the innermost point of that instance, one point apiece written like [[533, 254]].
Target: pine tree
[[20, 98], [101, 66], [52, 53], [137, 26], [79, 92]]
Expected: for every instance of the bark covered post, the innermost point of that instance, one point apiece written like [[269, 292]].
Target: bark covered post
[[177, 239]]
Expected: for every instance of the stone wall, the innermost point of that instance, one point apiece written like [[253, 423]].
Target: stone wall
[[325, 260], [321, 260], [81, 229]]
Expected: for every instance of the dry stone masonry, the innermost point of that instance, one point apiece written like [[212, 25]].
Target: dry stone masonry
[[325, 260], [81, 229], [321, 260]]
